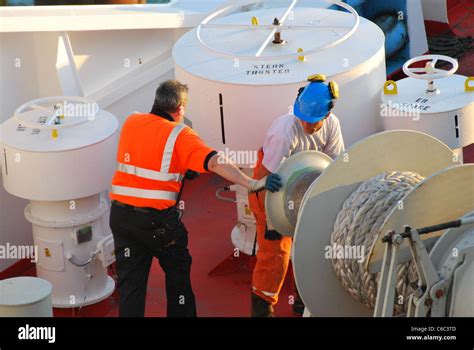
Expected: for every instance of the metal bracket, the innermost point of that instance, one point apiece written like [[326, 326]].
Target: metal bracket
[[439, 295], [386, 289], [429, 299], [428, 276]]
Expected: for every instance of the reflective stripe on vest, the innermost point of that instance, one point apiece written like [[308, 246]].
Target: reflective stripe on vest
[[162, 175], [142, 193], [168, 151], [148, 174]]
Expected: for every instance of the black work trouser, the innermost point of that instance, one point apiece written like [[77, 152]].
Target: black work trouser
[[135, 246]]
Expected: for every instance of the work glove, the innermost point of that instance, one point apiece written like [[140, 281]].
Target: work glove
[[270, 183], [272, 235]]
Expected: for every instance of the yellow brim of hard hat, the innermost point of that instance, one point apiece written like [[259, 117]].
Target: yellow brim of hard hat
[[317, 77]]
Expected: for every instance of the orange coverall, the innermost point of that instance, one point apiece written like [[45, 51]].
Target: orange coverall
[[273, 257]]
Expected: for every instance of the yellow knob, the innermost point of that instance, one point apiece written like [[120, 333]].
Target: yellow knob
[[393, 90], [54, 133], [467, 86], [255, 21]]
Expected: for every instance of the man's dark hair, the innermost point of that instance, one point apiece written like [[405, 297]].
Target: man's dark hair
[[170, 95]]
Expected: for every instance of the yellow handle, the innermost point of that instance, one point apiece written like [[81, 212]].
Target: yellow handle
[[54, 134], [301, 58], [388, 91], [255, 21], [467, 86]]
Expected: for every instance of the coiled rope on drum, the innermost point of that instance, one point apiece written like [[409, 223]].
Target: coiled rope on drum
[[358, 224]]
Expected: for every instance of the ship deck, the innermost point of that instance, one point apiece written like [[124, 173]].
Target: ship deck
[[227, 292]]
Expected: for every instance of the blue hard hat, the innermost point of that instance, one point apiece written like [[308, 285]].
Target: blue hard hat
[[314, 102]]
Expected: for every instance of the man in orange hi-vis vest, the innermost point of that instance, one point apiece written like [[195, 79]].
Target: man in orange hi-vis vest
[[156, 153]]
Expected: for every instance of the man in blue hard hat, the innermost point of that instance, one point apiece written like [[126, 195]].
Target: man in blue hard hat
[[311, 126]]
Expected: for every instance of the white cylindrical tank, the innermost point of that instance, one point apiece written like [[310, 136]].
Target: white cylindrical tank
[[25, 297], [238, 90], [433, 101], [59, 152]]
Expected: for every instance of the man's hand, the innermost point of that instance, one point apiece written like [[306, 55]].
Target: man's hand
[[270, 183]]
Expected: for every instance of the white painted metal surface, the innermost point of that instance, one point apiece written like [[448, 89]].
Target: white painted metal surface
[[76, 164], [25, 297], [446, 112], [435, 10], [233, 100], [453, 256], [286, 22], [416, 27], [55, 233], [62, 169], [462, 300], [176, 14], [243, 235], [243, 239], [392, 150], [101, 52]]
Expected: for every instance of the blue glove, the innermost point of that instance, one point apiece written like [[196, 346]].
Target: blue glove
[[273, 183]]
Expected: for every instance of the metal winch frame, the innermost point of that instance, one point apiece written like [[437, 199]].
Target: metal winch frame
[[432, 296]]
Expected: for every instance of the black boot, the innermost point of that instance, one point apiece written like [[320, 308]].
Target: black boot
[[298, 305], [260, 307]]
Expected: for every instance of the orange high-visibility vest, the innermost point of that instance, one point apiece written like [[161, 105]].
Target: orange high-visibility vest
[[153, 156]]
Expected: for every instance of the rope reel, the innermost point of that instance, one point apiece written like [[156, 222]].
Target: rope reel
[[350, 204], [358, 224], [294, 192], [298, 172]]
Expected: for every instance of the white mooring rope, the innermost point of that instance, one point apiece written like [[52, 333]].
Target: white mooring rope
[[358, 224]]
